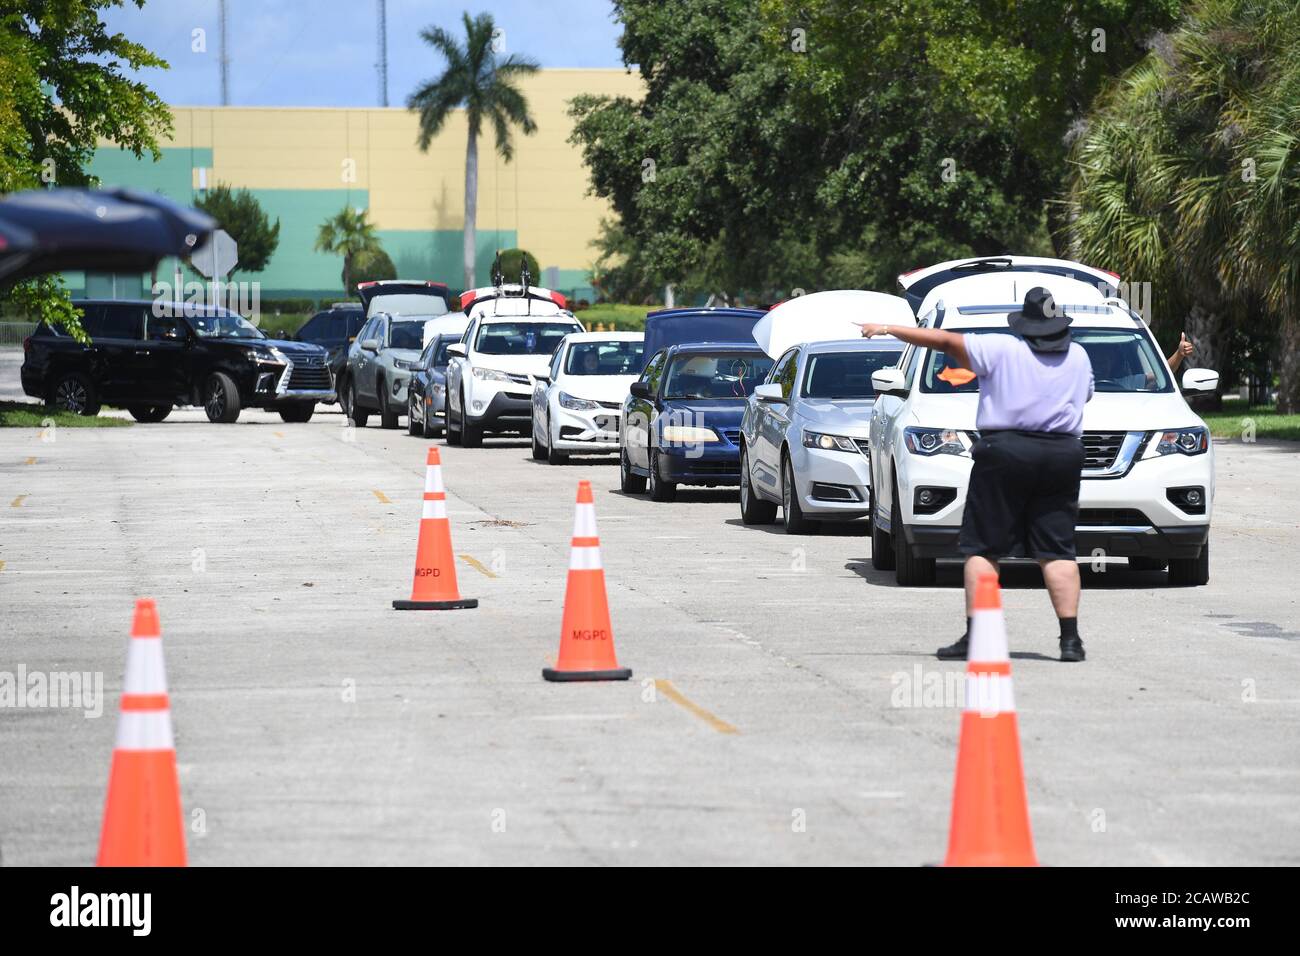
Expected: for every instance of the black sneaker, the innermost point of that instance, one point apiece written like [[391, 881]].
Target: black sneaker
[[1072, 649], [954, 652]]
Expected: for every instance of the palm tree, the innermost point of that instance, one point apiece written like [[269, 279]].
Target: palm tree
[[349, 234], [476, 80]]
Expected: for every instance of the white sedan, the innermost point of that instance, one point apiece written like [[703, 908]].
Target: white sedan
[[577, 401]]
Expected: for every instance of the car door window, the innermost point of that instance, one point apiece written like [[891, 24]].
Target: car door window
[[653, 371], [556, 361], [313, 330], [783, 373], [123, 322], [163, 328]]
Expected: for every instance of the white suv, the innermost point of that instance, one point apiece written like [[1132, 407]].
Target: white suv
[[513, 331], [1148, 477]]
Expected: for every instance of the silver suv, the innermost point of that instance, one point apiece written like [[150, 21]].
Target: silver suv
[[379, 366]]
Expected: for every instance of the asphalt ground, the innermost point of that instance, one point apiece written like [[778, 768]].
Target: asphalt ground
[[785, 706]]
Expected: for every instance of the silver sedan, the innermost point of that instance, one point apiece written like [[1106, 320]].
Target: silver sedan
[[804, 434]]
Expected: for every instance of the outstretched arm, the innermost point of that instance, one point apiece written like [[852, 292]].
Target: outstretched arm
[[1183, 350], [950, 343]]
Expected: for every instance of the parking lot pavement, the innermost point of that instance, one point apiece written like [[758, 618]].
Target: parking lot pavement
[[785, 706]]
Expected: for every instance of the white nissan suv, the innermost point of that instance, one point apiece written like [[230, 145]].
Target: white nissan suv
[[1148, 477], [513, 331]]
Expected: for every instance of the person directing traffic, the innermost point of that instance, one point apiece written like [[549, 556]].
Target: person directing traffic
[[1023, 497]]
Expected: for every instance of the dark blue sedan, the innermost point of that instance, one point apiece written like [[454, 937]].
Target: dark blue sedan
[[682, 417]]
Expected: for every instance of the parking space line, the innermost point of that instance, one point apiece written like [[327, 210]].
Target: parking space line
[[676, 696], [18, 502], [383, 498], [476, 564]]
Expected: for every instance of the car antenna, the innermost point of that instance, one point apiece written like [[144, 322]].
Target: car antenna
[[498, 280], [525, 280]]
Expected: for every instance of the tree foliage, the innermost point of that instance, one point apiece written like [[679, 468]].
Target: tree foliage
[[240, 214], [350, 234]]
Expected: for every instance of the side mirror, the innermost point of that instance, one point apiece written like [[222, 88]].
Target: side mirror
[[1200, 380], [769, 393], [641, 390], [370, 345], [456, 348], [889, 381]]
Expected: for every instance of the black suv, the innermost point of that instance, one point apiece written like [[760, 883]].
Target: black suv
[[190, 355], [333, 330]]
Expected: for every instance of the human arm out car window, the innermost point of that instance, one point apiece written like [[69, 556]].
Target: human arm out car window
[[937, 339]]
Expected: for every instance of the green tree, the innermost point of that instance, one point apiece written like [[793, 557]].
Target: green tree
[[1187, 176], [62, 89], [241, 215], [484, 85], [512, 261], [349, 234], [373, 265]]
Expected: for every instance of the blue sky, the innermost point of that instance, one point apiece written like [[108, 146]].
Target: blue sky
[[323, 52]]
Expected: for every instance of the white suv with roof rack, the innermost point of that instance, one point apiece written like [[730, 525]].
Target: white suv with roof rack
[[513, 331], [1148, 480]]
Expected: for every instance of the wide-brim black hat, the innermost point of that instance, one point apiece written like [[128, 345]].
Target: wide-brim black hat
[[1041, 322]]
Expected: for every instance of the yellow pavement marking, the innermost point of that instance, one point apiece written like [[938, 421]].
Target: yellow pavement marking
[[278, 434], [30, 461], [476, 564], [2, 565], [18, 502], [381, 496], [672, 693]]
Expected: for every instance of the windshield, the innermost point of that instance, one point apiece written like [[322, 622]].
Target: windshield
[[1123, 360], [223, 325], [406, 303], [522, 338], [604, 358], [722, 375], [406, 335], [846, 374]]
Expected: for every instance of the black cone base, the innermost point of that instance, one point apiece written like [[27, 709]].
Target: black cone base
[[435, 605], [619, 673]]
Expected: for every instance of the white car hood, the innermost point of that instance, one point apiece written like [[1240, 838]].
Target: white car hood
[[596, 388], [1105, 412]]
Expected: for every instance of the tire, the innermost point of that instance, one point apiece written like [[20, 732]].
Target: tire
[[221, 399], [1191, 572], [149, 414], [628, 483], [451, 435], [74, 392], [387, 417], [471, 436], [791, 512], [753, 509], [539, 453], [909, 570], [298, 413], [411, 427], [660, 490], [553, 455], [356, 414], [882, 549]]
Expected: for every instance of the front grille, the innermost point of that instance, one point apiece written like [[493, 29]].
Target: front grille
[[1100, 449], [730, 434], [714, 467], [519, 379], [1113, 518], [310, 378], [863, 445]]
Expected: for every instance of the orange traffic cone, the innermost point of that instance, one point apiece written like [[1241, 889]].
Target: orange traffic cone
[[586, 638], [435, 587], [142, 816], [990, 812]]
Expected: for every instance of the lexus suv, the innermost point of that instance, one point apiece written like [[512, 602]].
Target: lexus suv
[[1148, 479], [513, 332], [149, 357]]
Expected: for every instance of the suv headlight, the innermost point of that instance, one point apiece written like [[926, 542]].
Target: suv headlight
[[268, 353], [1183, 441], [490, 374], [576, 404], [687, 434], [404, 364], [828, 442], [936, 441]]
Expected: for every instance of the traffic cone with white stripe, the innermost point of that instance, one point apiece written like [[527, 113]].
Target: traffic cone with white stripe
[[142, 815], [990, 811], [586, 637], [434, 588]]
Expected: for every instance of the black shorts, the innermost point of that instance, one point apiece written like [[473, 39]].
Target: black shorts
[[1023, 498]]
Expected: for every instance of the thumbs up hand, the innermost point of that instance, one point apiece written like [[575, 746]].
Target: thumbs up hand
[[1185, 345]]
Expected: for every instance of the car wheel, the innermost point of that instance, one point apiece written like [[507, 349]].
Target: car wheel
[[75, 393], [628, 483], [909, 570], [413, 425], [553, 455], [452, 435], [471, 436], [221, 399], [387, 417], [791, 510], [358, 415], [298, 412], [882, 548], [539, 451], [753, 510], [149, 413], [660, 490], [1191, 572]]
